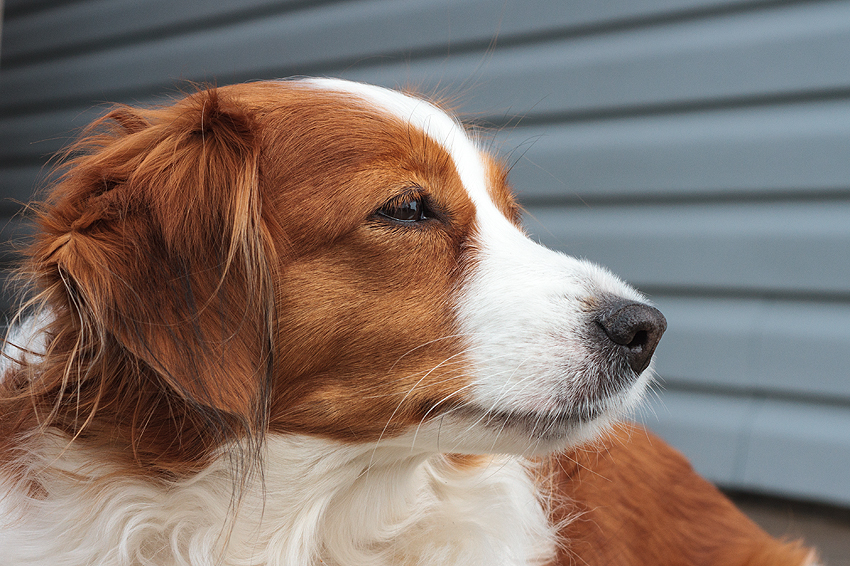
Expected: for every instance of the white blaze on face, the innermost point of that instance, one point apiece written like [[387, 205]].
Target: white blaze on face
[[525, 310]]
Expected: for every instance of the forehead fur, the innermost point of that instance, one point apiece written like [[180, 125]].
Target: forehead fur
[[435, 123], [483, 176]]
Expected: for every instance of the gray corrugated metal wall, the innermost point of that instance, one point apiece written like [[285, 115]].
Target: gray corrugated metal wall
[[699, 148]]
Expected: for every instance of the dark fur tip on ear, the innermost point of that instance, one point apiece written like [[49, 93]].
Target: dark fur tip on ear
[[128, 118], [219, 116]]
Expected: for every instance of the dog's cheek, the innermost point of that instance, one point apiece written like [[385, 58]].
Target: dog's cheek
[[368, 337]]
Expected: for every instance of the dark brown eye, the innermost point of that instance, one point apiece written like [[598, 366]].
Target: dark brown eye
[[410, 208]]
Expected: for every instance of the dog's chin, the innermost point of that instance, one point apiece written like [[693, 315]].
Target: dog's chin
[[535, 433], [470, 429]]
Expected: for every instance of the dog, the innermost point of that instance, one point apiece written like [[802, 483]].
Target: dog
[[299, 323]]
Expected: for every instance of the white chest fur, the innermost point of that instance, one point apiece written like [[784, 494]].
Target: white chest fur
[[315, 502]]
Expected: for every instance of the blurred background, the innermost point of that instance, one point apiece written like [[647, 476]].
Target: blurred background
[[698, 148]]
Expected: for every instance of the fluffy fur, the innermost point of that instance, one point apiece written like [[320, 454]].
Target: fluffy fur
[[298, 323], [317, 502]]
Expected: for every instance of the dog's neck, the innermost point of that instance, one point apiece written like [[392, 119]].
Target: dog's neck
[[315, 502]]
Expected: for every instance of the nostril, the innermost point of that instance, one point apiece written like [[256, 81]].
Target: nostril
[[640, 339], [636, 328]]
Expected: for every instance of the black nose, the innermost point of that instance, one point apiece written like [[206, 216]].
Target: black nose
[[636, 329]]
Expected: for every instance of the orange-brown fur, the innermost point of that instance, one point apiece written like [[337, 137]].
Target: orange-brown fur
[[499, 189], [636, 500]]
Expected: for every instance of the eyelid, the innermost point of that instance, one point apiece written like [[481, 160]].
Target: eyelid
[[405, 197], [411, 193], [432, 212]]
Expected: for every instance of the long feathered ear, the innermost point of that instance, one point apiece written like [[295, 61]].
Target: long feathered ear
[[155, 237]]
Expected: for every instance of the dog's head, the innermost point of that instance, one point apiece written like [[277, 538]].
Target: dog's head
[[315, 257]]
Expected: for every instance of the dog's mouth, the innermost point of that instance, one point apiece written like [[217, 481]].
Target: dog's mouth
[[550, 424], [600, 393]]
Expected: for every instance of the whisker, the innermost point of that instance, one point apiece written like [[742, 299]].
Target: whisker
[[423, 345], [434, 406], [400, 403]]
